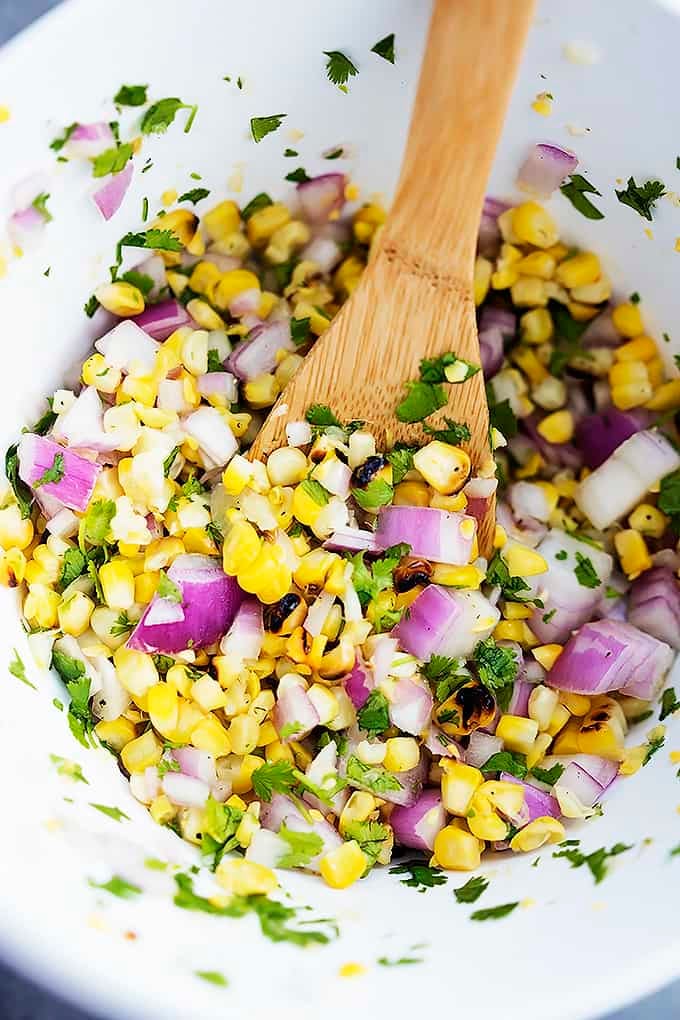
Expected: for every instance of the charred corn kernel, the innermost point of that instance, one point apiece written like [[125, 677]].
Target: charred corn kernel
[[516, 611], [231, 284], [542, 703], [243, 733], [118, 584], [245, 878], [411, 494], [528, 292], [241, 548], [348, 274], [457, 850], [41, 606], [401, 754], [222, 220], [342, 867], [265, 222], [522, 561], [120, 298], [627, 319], [457, 577], [547, 655], [532, 224], [286, 240], [163, 708], [517, 733], [538, 749], [12, 568], [74, 614], [558, 720], [116, 732], [96, 372], [483, 270], [162, 810], [648, 520], [444, 467], [135, 670], [526, 359], [557, 427], [641, 348], [16, 532], [203, 315], [537, 833], [261, 391], [632, 552], [538, 263], [666, 397], [458, 784], [142, 752], [579, 270], [211, 736], [145, 586], [578, 704]]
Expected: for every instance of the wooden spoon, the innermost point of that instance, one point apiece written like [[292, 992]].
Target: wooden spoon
[[415, 299]]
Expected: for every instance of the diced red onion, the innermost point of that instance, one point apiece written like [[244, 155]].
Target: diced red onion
[[218, 384], [439, 743], [318, 612], [294, 709], [81, 426], [352, 540], [529, 531], [215, 439], [37, 455], [321, 196], [519, 701], [446, 622], [439, 535], [109, 197], [598, 435], [489, 231], [243, 641], [324, 251], [529, 500], [337, 477], [245, 303], [225, 263], [185, 790], [359, 683], [64, 524], [601, 332], [481, 747], [577, 782], [545, 168], [196, 763], [491, 350], [171, 396], [383, 653], [25, 226], [501, 318], [88, 140], [654, 605], [417, 826], [564, 455], [210, 600], [160, 320], [111, 700], [618, 485], [561, 589], [537, 803], [323, 772], [410, 706], [129, 348], [258, 352], [298, 433], [602, 770], [608, 655]]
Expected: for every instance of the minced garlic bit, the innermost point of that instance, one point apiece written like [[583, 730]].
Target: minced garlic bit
[[577, 131]]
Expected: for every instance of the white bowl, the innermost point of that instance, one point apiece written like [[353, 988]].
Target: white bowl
[[574, 949]]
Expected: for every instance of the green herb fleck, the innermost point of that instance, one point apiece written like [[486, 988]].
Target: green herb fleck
[[376, 494], [596, 861], [58, 143], [290, 153], [641, 198], [298, 176], [260, 201], [142, 281], [299, 332], [654, 744], [159, 116], [339, 68], [575, 189], [454, 433], [421, 875], [472, 890], [422, 399], [53, 474], [260, 127], [507, 761], [374, 715], [17, 669], [111, 812], [112, 161], [385, 48], [315, 491], [194, 196], [213, 977], [39, 203], [384, 961], [493, 913], [303, 847], [586, 575], [549, 776], [69, 769], [669, 703], [119, 887], [131, 95], [321, 416]]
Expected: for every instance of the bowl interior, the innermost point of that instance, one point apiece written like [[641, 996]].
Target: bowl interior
[[139, 957]]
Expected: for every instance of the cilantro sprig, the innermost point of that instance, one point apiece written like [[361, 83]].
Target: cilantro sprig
[[642, 198], [339, 68], [260, 127], [161, 114], [575, 188]]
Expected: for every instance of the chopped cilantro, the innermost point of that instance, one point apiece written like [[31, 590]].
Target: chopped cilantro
[[384, 961], [501, 415], [507, 761], [303, 847], [17, 669], [369, 581], [142, 281], [371, 777], [95, 526], [547, 617], [53, 474], [669, 498], [170, 459], [445, 675], [112, 161], [260, 127], [493, 913], [371, 837], [69, 769], [586, 575], [385, 48], [421, 875], [321, 416], [111, 812], [298, 176], [315, 491], [167, 589], [160, 115], [675, 852], [131, 95], [45, 422], [472, 890], [575, 189], [119, 887], [595, 861], [376, 494], [260, 201], [655, 743], [497, 668], [58, 143], [374, 716], [454, 433], [641, 198], [289, 729], [273, 777], [422, 399], [669, 703], [339, 68], [401, 459], [549, 776], [498, 574], [299, 331], [24, 496], [290, 153], [154, 864], [334, 154], [194, 196], [215, 363], [91, 306], [218, 830], [39, 203], [213, 977]]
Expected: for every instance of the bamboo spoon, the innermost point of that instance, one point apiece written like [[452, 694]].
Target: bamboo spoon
[[415, 299]]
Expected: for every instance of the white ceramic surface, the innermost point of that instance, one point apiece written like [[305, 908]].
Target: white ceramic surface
[[577, 950]]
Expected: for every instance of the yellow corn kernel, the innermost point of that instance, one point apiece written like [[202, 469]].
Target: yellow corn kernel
[[641, 348], [358, 808], [656, 371], [504, 278], [522, 561], [593, 293], [12, 568], [454, 504], [267, 734], [142, 752], [542, 104], [558, 720], [305, 508], [457, 850], [533, 465], [41, 606], [547, 655], [444, 467], [631, 395], [538, 263], [517, 733], [342, 867], [513, 630], [203, 315], [162, 810], [245, 878], [648, 520], [401, 754], [264, 222], [537, 833], [526, 359], [163, 708], [483, 822], [666, 397], [145, 586], [626, 372], [222, 220], [542, 703], [633, 760], [516, 611], [204, 279], [135, 670], [567, 740], [457, 577], [261, 391], [627, 319], [120, 298], [96, 372], [532, 224], [536, 325], [118, 584], [483, 270], [74, 614], [268, 576], [243, 732], [500, 537], [44, 568], [557, 427], [528, 292], [210, 735], [241, 548], [632, 552], [116, 732], [459, 783], [197, 540], [578, 704], [348, 274], [276, 751], [286, 240], [16, 532], [411, 494], [538, 749], [178, 678], [579, 270], [232, 283]]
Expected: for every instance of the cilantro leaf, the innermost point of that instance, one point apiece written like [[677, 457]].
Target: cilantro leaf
[[160, 115], [454, 433], [641, 198], [596, 862], [215, 363], [655, 743], [376, 494], [497, 574], [213, 977], [369, 581], [371, 777], [374, 715], [493, 913], [586, 575], [401, 459], [260, 201], [421, 875], [446, 368], [51, 475], [371, 837], [111, 812], [339, 68], [167, 589], [575, 188], [445, 675], [472, 890], [321, 416], [95, 526], [119, 887], [57, 144], [142, 281], [70, 670], [194, 196], [122, 625], [333, 154], [669, 498], [497, 667], [288, 153], [111, 161], [422, 399], [549, 776], [260, 127], [507, 761], [298, 176], [18, 669], [501, 415], [131, 95], [299, 331], [384, 961], [91, 306], [24, 496], [218, 830], [39, 203], [74, 564], [385, 48], [273, 777], [69, 769], [315, 491], [303, 847], [669, 703]]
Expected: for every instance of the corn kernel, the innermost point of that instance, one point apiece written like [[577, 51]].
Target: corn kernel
[[627, 319], [245, 878], [578, 704], [444, 467], [243, 734], [528, 292], [457, 850], [648, 520], [135, 670], [116, 732], [542, 703], [579, 270], [261, 391], [210, 735], [401, 754], [96, 372], [142, 752], [222, 220], [15, 531], [517, 733], [538, 749], [41, 606], [632, 552], [411, 494], [547, 655], [522, 561], [342, 867], [558, 720], [12, 568], [666, 397], [532, 224], [264, 222], [483, 270], [483, 821], [557, 427], [641, 348], [459, 783], [162, 810], [120, 298], [536, 834], [74, 614]]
